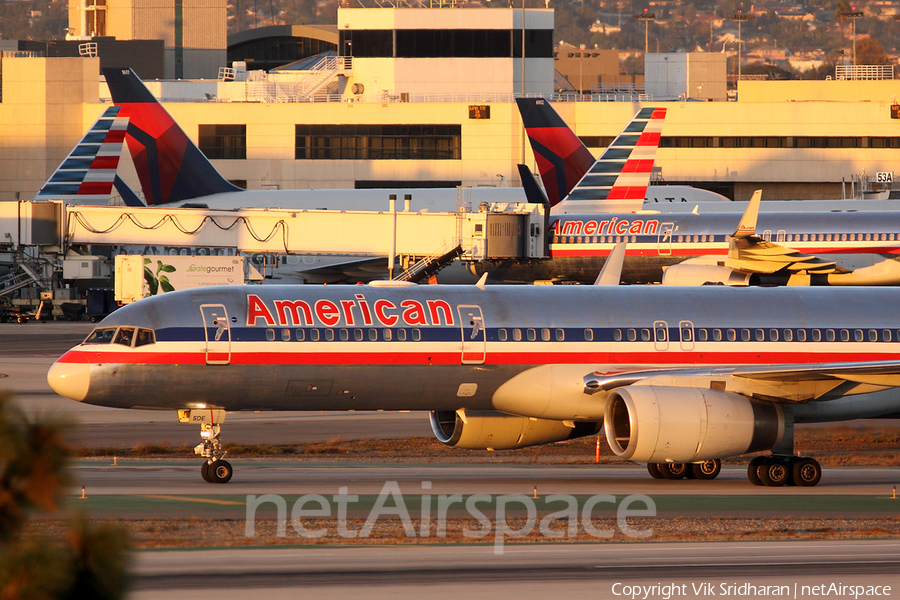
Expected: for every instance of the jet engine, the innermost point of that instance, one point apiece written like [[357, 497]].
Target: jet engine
[[660, 424], [498, 431], [687, 274]]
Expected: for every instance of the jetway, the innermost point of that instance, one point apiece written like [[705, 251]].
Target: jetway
[[498, 231]]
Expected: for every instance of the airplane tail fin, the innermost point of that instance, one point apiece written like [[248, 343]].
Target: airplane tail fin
[[170, 167], [533, 192], [86, 175], [561, 157], [620, 177]]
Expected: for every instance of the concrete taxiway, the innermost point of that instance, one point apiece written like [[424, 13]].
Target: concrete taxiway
[[522, 571]]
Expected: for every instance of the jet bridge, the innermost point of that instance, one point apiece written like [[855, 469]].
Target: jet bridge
[[499, 231]]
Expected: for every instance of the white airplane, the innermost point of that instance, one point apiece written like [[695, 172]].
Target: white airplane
[[680, 376]]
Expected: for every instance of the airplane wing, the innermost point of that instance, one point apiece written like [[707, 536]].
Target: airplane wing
[[781, 383]]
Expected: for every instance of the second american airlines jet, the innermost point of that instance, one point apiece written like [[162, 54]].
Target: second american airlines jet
[[680, 378]]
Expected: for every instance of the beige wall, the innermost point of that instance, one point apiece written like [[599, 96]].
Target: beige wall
[[41, 118], [49, 103]]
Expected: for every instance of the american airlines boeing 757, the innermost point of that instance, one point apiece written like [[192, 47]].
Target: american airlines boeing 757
[[681, 376]]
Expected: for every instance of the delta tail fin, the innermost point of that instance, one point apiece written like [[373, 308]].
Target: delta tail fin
[[169, 165], [87, 174], [562, 159], [618, 180]]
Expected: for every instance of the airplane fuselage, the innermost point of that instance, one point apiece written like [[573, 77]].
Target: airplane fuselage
[[519, 350], [579, 244]]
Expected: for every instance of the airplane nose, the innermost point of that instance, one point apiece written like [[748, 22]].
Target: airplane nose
[[70, 380]]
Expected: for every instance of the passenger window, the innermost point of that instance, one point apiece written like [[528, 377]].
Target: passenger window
[[731, 334], [501, 335], [314, 335], [301, 335], [560, 335], [845, 335], [773, 335], [145, 337], [701, 335], [270, 335], [632, 335], [101, 335], [717, 335], [617, 335], [662, 334], [358, 335], [857, 335], [285, 335], [125, 336], [886, 335], [816, 335], [760, 335], [329, 335], [589, 335], [416, 335], [531, 335], [401, 335], [386, 334], [829, 335], [545, 335], [645, 335], [745, 335], [517, 335], [873, 335], [373, 335], [344, 334], [788, 335], [801, 335]]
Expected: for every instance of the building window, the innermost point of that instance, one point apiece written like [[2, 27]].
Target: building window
[[223, 141], [95, 18], [377, 142]]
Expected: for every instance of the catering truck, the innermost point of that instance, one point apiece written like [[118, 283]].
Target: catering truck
[[140, 276]]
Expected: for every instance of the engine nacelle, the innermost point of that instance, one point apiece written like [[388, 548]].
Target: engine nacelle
[[686, 274], [659, 424], [498, 431]]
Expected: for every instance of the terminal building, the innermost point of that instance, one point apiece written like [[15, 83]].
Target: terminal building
[[424, 97]]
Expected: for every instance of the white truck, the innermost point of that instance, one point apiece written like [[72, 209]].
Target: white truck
[[139, 276]]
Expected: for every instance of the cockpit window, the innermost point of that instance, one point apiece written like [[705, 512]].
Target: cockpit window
[[101, 335], [145, 337], [125, 336]]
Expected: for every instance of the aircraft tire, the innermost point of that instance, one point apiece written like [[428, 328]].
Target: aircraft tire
[[673, 470], [653, 469], [807, 472], [753, 470], [220, 471], [204, 471], [708, 469], [775, 472]]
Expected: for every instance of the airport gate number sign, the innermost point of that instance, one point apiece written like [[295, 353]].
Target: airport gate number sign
[[884, 177]]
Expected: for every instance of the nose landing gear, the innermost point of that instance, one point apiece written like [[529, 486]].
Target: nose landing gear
[[215, 469]]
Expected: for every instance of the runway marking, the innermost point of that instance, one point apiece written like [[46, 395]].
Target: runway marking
[[200, 500]]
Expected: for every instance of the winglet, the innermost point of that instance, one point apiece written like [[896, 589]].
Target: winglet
[[747, 226], [533, 192], [481, 281], [611, 273]]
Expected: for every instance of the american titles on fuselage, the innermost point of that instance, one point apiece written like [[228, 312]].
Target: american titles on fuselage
[[612, 226], [355, 312]]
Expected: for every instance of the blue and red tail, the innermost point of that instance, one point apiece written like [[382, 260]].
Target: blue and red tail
[[169, 165], [87, 174], [562, 159]]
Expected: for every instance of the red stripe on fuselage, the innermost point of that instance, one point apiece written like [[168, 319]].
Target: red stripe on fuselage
[[315, 356]]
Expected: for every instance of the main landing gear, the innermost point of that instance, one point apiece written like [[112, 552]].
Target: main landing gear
[[707, 469], [773, 471], [777, 470], [215, 469]]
